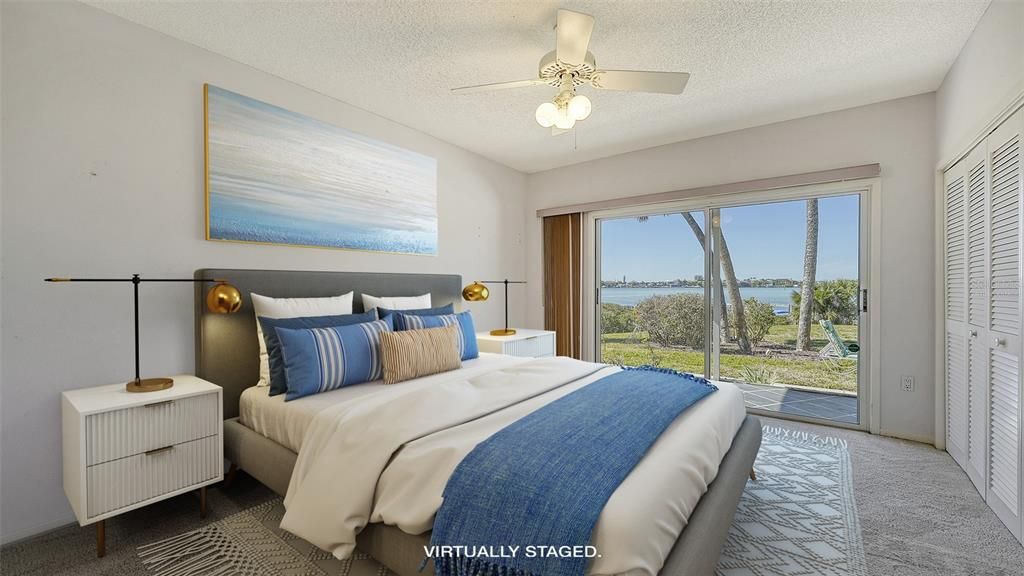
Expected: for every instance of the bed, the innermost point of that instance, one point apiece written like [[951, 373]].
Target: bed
[[263, 434]]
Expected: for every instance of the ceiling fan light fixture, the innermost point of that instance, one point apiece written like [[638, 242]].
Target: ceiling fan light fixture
[[571, 65], [579, 107], [547, 114], [565, 120]]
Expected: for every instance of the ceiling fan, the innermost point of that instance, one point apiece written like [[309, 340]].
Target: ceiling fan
[[570, 65]]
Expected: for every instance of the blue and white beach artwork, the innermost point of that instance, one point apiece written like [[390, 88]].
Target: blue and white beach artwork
[[283, 178]]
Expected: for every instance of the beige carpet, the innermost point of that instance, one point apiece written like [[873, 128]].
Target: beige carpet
[[919, 515]]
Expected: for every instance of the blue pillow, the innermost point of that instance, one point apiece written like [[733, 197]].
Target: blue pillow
[[464, 320], [278, 379], [321, 359], [439, 311]]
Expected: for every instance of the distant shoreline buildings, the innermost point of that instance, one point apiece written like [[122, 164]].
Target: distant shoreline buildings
[[698, 282]]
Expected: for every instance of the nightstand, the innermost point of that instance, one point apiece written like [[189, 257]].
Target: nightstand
[[125, 450], [534, 343]]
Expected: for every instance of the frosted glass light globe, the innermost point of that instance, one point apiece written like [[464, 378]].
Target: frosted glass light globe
[[565, 120], [547, 114], [579, 107]]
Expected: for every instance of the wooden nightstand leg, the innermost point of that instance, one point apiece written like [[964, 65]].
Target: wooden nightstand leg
[[202, 502], [101, 538]]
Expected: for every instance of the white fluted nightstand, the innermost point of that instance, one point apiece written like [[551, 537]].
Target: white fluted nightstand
[[525, 342], [125, 450]]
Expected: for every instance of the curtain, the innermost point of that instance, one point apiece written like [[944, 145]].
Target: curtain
[[563, 281]]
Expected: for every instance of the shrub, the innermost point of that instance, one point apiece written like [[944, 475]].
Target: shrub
[[834, 300], [616, 318], [759, 374], [760, 318], [672, 320]]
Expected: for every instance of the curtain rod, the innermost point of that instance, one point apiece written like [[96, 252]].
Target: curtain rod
[[791, 181]]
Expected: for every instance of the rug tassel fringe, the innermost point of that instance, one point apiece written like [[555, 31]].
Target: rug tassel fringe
[[803, 436], [189, 554]]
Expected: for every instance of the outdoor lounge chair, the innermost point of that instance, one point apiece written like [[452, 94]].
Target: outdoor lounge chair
[[836, 347]]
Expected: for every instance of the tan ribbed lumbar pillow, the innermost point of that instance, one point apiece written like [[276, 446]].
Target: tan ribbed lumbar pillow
[[413, 353]]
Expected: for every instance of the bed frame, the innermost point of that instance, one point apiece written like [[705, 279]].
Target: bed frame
[[227, 355]]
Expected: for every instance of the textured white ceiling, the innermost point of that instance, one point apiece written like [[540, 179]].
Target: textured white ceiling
[[752, 63]]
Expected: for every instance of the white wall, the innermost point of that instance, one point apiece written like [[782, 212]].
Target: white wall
[[898, 134], [987, 74], [103, 175]]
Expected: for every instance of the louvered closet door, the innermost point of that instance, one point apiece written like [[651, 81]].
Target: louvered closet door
[[1004, 467], [955, 248], [977, 341]]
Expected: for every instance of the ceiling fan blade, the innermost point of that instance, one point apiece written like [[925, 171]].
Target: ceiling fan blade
[[498, 86], [572, 37], [640, 81], [556, 131]]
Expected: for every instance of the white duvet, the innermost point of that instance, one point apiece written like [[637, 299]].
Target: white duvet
[[386, 457]]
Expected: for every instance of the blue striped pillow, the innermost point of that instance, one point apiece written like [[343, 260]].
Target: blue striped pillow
[[278, 378], [464, 320], [438, 311], [321, 359]]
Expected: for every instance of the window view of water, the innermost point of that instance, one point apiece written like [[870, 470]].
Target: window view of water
[[653, 308]]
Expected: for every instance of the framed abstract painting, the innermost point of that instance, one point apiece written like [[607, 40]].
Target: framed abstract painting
[[277, 177]]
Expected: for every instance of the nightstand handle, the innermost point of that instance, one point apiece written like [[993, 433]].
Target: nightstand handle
[[159, 450], [155, 404]]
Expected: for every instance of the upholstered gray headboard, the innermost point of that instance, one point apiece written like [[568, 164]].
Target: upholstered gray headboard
[[227, 353]]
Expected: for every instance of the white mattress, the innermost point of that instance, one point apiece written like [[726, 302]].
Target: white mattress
[[286, 422]]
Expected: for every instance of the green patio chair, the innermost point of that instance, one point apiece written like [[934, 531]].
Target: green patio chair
[[836, 347]]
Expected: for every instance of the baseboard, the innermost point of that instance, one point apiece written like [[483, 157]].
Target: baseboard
[[36, 531], [911, 437]]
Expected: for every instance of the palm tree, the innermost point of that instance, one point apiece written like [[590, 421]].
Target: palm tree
[[733, 287], [803, 331]]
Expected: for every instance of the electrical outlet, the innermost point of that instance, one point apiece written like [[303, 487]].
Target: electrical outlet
[[907, 383]]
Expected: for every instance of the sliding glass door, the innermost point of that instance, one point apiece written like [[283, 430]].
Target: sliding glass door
[[653, 306], [768, 295]]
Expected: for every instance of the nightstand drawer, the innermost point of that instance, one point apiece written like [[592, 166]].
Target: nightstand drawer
[[120, 433], [535, 346], [120, 483]]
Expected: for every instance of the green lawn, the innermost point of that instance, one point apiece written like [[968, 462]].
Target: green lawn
[[773, 362]]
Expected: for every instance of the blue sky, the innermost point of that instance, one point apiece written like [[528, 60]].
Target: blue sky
[[766, 241]]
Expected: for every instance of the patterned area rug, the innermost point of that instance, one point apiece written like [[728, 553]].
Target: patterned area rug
[[798, 518]]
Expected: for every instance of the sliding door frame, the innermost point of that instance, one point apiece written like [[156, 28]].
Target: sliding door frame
[[869, 189]]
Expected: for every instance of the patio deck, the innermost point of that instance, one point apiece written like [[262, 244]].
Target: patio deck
[[801, 402]]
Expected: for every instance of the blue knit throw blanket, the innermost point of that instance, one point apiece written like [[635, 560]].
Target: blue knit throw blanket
[[520, 500]]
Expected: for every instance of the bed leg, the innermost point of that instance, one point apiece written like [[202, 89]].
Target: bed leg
[[753, 475], [229, 478]]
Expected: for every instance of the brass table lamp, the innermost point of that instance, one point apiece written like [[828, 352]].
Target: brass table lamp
[[478, 292], [223, 298]]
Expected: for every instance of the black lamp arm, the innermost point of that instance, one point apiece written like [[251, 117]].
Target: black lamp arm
[[136, 280], [506, 282]]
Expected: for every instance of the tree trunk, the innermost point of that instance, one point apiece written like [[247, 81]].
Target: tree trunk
[[736, 299], [718, 286], [731, 286], [803, 331]]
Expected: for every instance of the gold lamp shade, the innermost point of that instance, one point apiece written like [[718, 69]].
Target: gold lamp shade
[[223, 298], [475, 292]]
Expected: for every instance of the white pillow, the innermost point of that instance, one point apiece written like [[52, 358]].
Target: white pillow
[[396, 302], [293, 308]]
